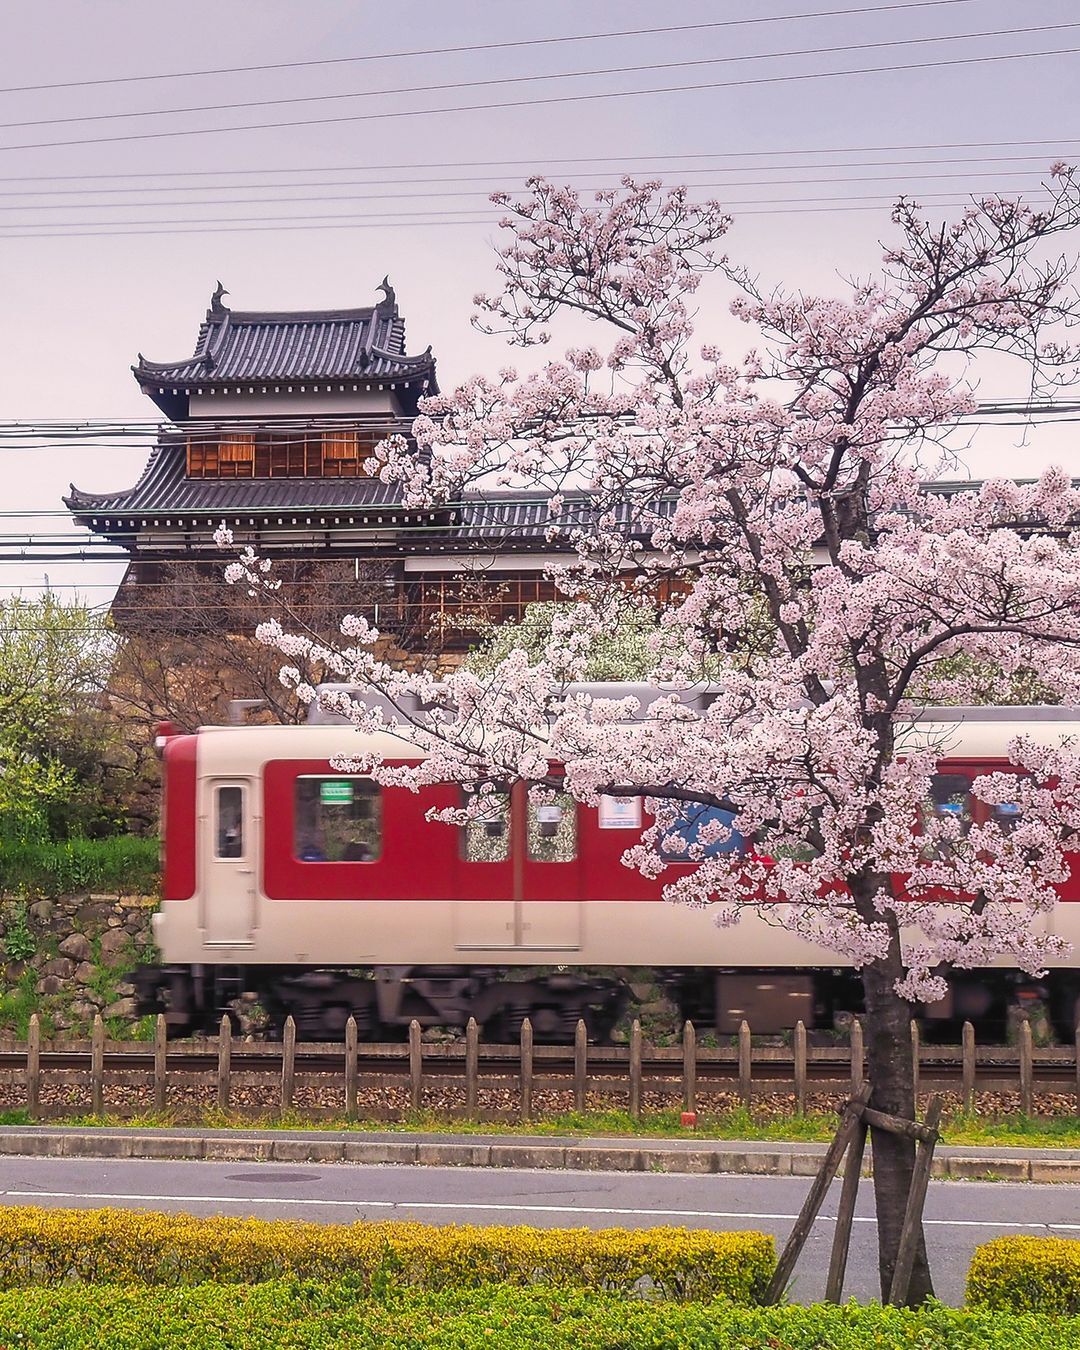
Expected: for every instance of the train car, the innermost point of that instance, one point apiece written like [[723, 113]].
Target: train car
[[327, 896]]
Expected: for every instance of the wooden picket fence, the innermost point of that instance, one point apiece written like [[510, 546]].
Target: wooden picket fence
[[689, 1072]]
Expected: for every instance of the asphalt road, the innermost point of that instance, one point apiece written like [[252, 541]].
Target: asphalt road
[[960, 1215]]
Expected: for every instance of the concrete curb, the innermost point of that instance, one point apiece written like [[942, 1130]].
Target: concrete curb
[[586, 1155]]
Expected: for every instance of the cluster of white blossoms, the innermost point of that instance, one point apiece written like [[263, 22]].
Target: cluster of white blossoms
[[772, 509]]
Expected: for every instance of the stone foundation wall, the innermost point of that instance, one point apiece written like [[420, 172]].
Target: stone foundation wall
[[67, 959]]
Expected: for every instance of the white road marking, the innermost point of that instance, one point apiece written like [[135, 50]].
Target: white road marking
[[500, 1208]]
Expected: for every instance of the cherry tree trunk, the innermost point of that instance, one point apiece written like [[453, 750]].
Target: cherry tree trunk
[[889, 1069]]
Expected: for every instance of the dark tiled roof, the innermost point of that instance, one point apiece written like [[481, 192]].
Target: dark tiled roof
[[325, 344], [165, 487], [508, 521], [522, 519]]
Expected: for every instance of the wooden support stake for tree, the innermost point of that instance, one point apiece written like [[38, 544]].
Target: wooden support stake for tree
[[857, 1054], [745, 1083], [1076, 1065], [472, 1066], [967, 1071], [224, 1063], [850, 1122], [97, 1066], [581, 1064], [33, 1067], [416, 1066], [634, 1097], [1027, 1073], [161, 1043], [689, 1066], [909, 1233], [288, 1064], [911, 1129], [800, 1068], [352, 1039], [845, 1217], [526, 1069], [915, 1056]]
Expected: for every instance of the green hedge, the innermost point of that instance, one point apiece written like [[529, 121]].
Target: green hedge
[[292, 1315], [103, 1246], [124, 864], [1027, 1274]]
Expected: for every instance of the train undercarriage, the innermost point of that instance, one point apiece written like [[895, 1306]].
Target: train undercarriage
[[386, 999]]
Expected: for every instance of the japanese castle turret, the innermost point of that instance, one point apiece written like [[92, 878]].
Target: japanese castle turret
[[268, 426]]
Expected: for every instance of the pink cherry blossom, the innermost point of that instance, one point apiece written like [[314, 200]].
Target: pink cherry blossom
[[824, 594]]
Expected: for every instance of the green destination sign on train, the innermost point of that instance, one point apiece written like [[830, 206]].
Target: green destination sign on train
[[333, 792]]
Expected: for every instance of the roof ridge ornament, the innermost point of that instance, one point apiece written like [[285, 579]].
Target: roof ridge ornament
[[217, 310], [389, 300]]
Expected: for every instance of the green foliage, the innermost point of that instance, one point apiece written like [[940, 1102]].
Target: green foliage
[[47, 1247], [18, 1003], [293, 1314], [60, 754], [123, 864], [19, 942], [1027, 1274], [623, 654]]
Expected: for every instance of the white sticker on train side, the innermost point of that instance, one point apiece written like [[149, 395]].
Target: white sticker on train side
[[620, 813]]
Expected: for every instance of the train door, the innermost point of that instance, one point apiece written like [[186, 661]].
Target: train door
[[486, 905], [519, 878], [549, 850], [227, 883]]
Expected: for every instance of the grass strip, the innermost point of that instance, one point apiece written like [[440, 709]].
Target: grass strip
[[1015, 1131], [121, 864]]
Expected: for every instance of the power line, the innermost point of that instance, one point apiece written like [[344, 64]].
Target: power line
[[533, 164], [355, 222], [486, 193], [540, 102], [490, 46], [532, 79], [682, 171], [444, 212], [988, 165]]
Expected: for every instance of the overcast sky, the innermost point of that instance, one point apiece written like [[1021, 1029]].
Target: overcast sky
[[79, 308]]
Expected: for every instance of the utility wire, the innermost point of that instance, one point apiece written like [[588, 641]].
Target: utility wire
[[533, 79], [1003, 163], [502, 105], [680, 171], [531, 165], [491, 46], [486, 193], [363, 223], [879, 199]]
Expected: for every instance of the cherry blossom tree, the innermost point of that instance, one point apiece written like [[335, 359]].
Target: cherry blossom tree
[[778, 500]]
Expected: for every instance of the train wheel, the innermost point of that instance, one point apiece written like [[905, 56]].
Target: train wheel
[[334, 1017], [549, 1023]]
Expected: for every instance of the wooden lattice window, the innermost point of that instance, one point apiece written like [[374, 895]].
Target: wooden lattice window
[[236, 455], [341, 454], [280, 454]]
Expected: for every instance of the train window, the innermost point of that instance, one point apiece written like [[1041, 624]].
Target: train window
[[553, 829], [337, 819], [229, 822], [1007, 816], [688, 826], [950, 798], [487, 839]]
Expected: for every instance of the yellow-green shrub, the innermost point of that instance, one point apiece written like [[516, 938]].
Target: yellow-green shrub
[[54, 1246], [1027, 1274]]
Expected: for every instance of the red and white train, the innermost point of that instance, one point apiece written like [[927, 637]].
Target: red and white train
[[326, 895]]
